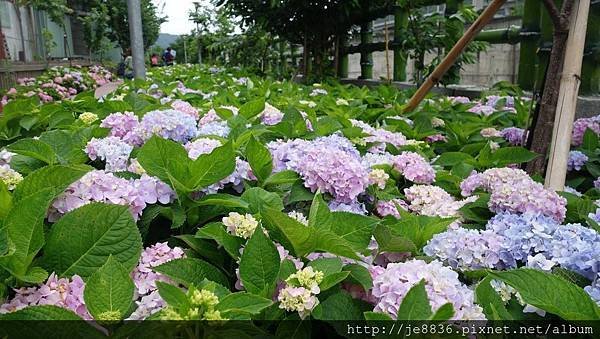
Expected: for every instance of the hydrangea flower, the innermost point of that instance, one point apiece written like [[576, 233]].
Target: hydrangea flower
[[434, 201], [576, 160], [391, 285], [168, 124], [385, 208], [185, 107], [298, 216], [414, 168], [581, 125], [514, 135], [123, 126], [380, 136], [299, 293], [240, 225], [112, 150], [330, 164], [355, 207], [481, 109], [101, 186], [512, 190], [594, 290], [490, 132], [10, 177], [144, 277], [5, 157], [271, 115], [88, 118], [378, 177], [63, 292]]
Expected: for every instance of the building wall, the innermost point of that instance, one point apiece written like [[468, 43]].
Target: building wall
[[12, 31]]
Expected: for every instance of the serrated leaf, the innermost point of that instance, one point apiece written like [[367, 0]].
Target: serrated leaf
[[327, 265], [444, 313], [243, 302], [283, 177], [301, 239], [213, 167], [259, 265], [222, 199], [415, 305], [377, 316], [551, 293], [57, 178], [217, 232], [252, 108], [109, 289], [259, 158], [192, 271], [333, 279], [173, 295], [34, 148], [490, 301], [83, 239], [361, 275], [260, 199]]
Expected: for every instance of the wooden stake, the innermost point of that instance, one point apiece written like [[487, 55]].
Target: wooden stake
[[567, 98], [486, 16], [387, 53]]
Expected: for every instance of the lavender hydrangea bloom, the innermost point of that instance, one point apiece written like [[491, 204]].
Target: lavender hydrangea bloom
[[143, 275], [581, 125], [63, 292], [512, 190], [101, 186], [577, 248], [414, 168], [124, 126], [271, 115], [168, 124], [351, 207], [380, 136], [110, 149], [391, 285], [576, 160], [481, 109], [390, 207], [469, 249], [5, 157], [514, 135], [185, 107], [330, 164], [594, 290]]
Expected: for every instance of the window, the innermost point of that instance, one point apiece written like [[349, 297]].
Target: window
[[4, 14]]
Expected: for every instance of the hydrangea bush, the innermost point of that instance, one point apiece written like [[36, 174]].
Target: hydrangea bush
[[226, 196]]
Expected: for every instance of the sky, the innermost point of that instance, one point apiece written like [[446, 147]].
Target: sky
[[177, 12]]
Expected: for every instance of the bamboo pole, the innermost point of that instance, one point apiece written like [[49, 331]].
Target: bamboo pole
[[486, 16], [387, 53], [567, 97]]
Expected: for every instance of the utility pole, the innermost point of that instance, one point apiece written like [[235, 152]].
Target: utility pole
[[136, 37], [184, 49], [197, 18]]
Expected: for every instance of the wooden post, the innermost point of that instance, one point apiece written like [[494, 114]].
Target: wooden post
[[343, 64], [567, 97], [387, 53], [461, 44]]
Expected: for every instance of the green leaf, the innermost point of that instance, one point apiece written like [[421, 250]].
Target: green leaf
[[192, 271], [415, 305], [419, 229], [109, 289], [332, 280], [259, 265], [173, 295], [34, 275], [222, 199], [6, 202], [24, 229], [454, 158], [356, 229], [328, 241], [590, 140], [512, 155], [213, 167], [360, 275], [389, 242], [260, 199], [34, 148], [290, 231], [217, 232], [444, 313], [551, 293], [339, 306], [68, 145], [283, 177], [46, 321], [319, 213], [243, 302], [57, 178], [166, 160], [490, 301], [327, 265], [252, 108], [259, 158], [83, 239]]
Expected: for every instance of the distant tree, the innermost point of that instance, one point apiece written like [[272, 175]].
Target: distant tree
[[119, 24]]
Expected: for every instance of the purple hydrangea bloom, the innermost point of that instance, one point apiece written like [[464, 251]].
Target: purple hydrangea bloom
[[576, 160], [514, 135], [271, 115], [168, 124], [467, 249], [512, 190], [391, 285], [185, 107], [390, 207], [581, 125], [351, 207], [101, 186], [594, 290], [577, 248], [482, 109], [144, 277], [330, 164], [123, 126], [112, 150], [63, 292], [414, 168]]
